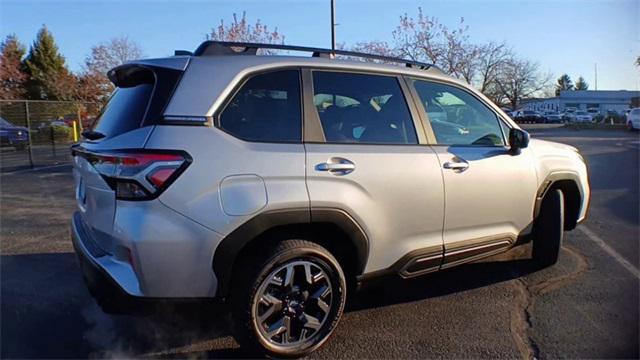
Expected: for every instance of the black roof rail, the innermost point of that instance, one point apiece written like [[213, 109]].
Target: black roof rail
[[211, 48]]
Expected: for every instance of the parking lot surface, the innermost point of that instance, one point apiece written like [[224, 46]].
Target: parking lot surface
[[584, 307], [12, 159]]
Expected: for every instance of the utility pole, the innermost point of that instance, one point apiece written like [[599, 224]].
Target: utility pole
[[596, 71], [333, 27]]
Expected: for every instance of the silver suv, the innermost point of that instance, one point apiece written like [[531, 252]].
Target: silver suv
[[278, 184]]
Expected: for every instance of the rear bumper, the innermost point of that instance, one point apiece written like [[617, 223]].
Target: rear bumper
[[111, 297], [151, 251], [118, 273]]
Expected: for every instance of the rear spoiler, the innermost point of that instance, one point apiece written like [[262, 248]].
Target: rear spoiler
[[143, 71], [164, 75]]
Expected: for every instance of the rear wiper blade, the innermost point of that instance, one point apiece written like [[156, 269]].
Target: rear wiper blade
[[92, 135]]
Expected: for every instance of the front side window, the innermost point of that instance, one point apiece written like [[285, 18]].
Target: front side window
[[266, 108], [362, 109], [457, 117]]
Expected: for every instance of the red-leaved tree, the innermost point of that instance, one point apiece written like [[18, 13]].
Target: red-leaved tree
[[12, 76]]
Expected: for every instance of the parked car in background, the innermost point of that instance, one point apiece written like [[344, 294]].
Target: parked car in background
[[528, 116], [569, 115], [13, 135], [583, 116], [553, 117], [509, 112], [543, 117], [593, 112], [633, 119], [47, 125]]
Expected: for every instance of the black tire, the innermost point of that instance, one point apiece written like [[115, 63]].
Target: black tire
[[549, 229], [256, 270]]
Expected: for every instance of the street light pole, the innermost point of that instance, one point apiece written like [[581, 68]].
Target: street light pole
[[333, 26]]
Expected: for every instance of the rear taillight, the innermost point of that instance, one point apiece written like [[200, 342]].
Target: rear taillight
[[137, 175]]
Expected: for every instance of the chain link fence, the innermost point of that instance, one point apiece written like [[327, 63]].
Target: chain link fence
[[36, 133]]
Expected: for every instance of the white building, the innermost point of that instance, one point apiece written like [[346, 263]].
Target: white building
[[603, 100]]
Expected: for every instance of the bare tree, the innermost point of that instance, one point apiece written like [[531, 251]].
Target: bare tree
[[424, 38], [240, 30], [520, 79], [491, 57], [458, 54], [112, 53], [93, 84], [420, 39], [375, 47]]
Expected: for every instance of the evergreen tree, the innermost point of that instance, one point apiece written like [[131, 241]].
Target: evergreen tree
[[12, 76], [49, 78], [581, 84], [564, 83]]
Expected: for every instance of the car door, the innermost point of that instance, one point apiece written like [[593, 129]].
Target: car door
[[489, 190], [368, 162]]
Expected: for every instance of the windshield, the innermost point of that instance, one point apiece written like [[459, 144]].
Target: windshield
[[581, 113], [5, 123]]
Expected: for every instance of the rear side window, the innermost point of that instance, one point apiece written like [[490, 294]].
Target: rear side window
[[362, 109], [139, 100], [124, 111], [266, 109]]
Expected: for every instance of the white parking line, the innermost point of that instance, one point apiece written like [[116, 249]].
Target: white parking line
[[34, 169], [609, 250]]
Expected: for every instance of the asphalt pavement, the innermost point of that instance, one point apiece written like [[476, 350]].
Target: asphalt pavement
[[12, 159], [584, 307]]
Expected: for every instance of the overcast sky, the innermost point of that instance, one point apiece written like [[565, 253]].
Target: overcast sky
[[563, 36]]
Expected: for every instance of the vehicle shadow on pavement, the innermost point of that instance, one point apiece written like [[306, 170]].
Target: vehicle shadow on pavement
[[48, 313]]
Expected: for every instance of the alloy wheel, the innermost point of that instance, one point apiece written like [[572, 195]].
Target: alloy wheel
[[292, 304]]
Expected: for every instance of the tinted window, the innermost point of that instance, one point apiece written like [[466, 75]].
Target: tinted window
[[124, 111], [267, 108], [365, 109], [458, 118]]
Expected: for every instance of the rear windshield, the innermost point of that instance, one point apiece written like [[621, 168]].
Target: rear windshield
[[124, 111]]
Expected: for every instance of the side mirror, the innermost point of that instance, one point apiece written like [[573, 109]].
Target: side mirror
[[518, 139]]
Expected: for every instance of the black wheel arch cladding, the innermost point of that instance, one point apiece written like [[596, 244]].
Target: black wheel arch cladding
[[293, 222]]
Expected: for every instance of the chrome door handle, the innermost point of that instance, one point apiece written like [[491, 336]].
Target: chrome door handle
[[456, 165], [337, 166]]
